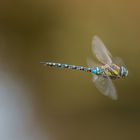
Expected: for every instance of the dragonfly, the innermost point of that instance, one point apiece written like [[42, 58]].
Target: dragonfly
[[104, 72]]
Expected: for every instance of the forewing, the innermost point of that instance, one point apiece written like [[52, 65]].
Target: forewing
[[91, 63], [118, 61], [105, 86], [100, 51]]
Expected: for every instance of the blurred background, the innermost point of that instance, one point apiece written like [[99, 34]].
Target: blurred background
[[41, 103]]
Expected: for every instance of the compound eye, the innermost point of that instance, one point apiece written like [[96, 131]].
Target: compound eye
[[123, 71]]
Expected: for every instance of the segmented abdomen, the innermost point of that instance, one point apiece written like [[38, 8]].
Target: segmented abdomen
[[67, 66]]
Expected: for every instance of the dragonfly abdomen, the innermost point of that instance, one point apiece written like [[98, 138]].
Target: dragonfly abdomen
[[67, 66]]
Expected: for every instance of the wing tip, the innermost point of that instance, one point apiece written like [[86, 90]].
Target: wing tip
[[95, 37], [114, 97]]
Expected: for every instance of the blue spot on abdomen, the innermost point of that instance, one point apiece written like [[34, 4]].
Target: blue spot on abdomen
[[96, 71]]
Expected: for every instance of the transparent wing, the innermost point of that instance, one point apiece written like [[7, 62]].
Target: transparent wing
[[100, 51], [118, 61], [105, 86], [92, 63]]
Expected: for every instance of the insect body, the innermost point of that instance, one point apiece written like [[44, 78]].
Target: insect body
[[103, 73], [67, 66]]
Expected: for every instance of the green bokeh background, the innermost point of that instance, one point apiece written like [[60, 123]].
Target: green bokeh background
[[66, 102]]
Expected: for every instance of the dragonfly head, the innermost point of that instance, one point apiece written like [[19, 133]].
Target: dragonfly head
[[123, 72]]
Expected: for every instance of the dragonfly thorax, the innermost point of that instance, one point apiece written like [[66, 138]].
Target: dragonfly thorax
[[112, 71]]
